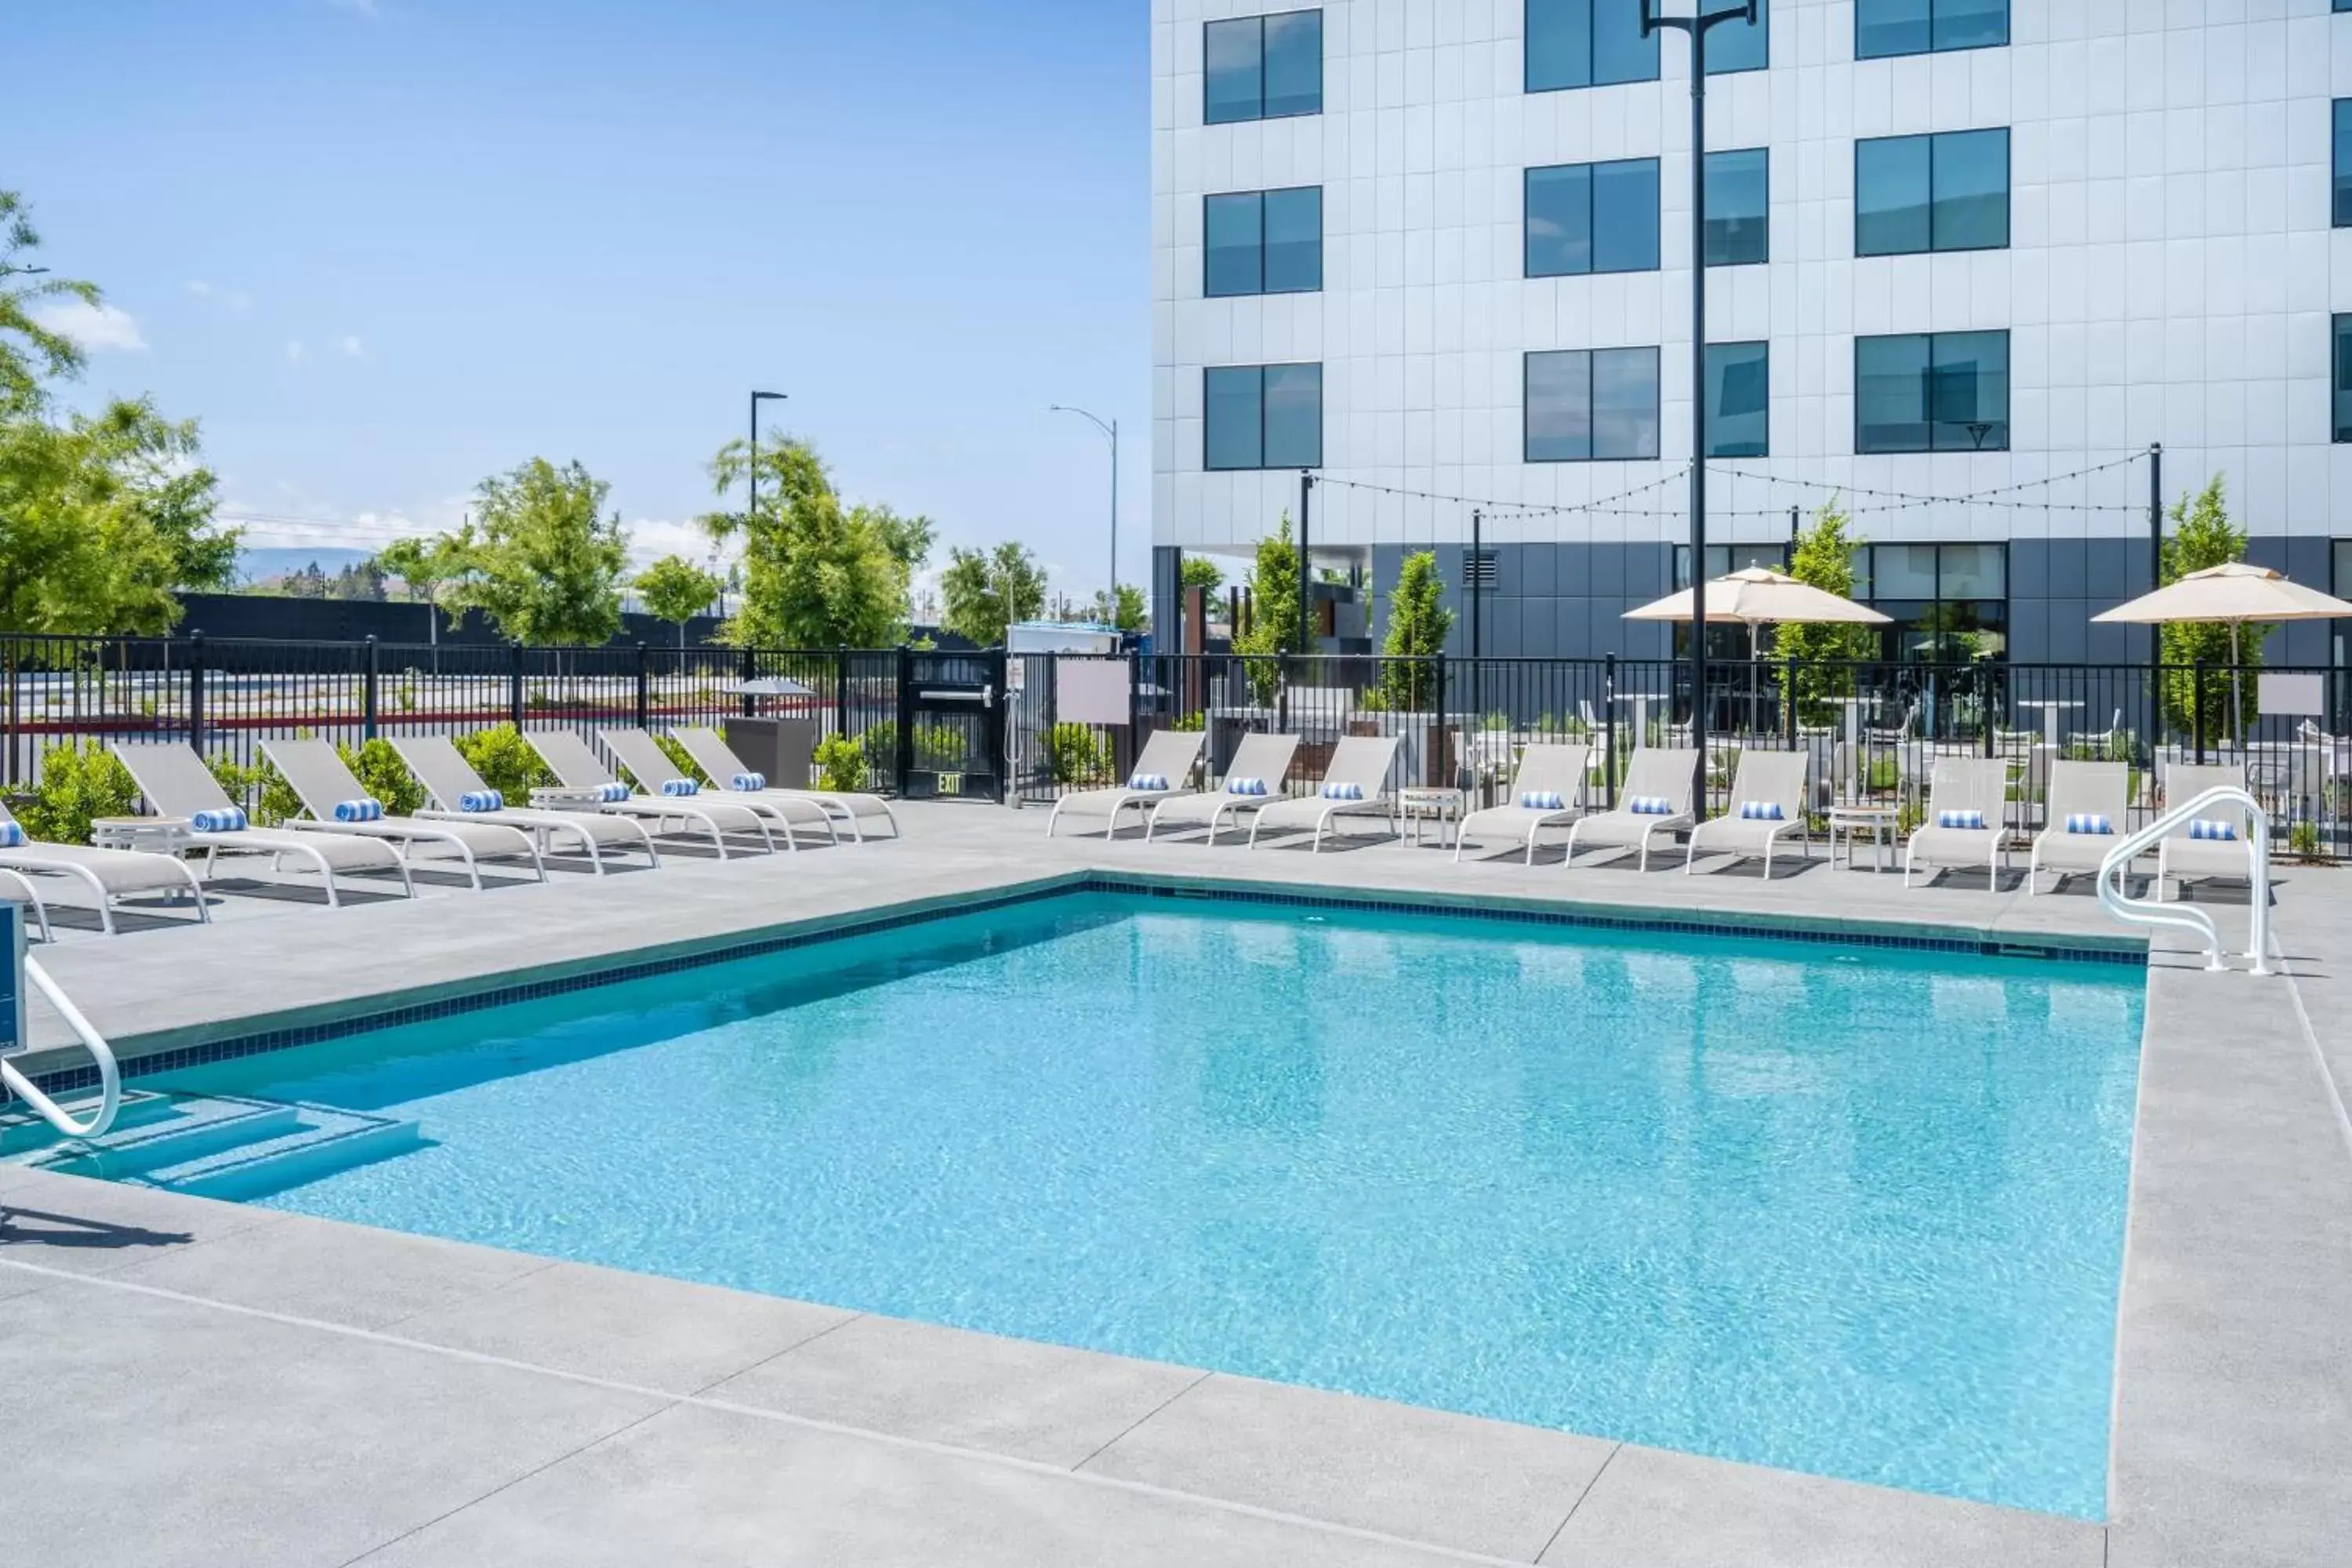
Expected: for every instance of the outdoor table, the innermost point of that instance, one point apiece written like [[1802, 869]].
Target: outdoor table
[[2049, 707], [1417, 806], [1879, 821], [1641, 701], [152, 835]]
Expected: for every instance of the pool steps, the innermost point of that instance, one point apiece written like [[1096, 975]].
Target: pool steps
[[215, 1146]]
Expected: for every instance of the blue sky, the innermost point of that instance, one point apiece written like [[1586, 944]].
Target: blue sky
[[384, 247]]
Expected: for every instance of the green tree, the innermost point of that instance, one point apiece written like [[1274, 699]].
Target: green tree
[[2202, 535], [1274, 609], [29, 351], [435, 571], [1199, 572], [548, 567], [675, 589], [1127, 612], [984, 592], [1822, 555], [1418, 621], [815, 573]]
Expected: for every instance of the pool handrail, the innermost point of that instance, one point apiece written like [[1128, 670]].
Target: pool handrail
[[2186, 917], [109, 1077]]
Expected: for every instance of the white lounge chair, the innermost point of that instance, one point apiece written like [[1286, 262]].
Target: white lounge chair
[[448, 778], [651, 766], [1963, 791], [2182, 858], [1656, 799], [1355, 783], [177, 783], [17, 884], [1768, 804], [322, 783], [109, 874], [1546, 772], [2089, 804], [851, 808], [1162, 772], [1260, 760], [575, 768]]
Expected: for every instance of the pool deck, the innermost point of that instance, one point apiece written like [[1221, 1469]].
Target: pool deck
[[194, 1381]]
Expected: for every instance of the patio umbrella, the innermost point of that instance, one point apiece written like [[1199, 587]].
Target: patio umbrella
[[1756, 596], [2235, 593]]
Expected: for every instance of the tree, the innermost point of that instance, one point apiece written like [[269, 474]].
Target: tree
[[1418, 621], [547, 567], [361, 581], [675, 589], [984, 592], [435, 571], [1199, 572], [815, 574], [1127, 612], [2202, 535], [1822, 555], [1274, 597], [30, 352]]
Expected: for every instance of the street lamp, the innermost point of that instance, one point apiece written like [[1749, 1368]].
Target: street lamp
[[1697, 25], [1110, 434], [751, 507]]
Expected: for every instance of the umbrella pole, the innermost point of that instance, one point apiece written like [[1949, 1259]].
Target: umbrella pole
[[2237, 694], [1754, 630]]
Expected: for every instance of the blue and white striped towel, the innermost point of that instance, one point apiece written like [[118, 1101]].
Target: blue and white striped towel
[[2089, 822], [1761, 811], [1246, 786], [680, 787], [748, 783], [1650, 806], [227, 819], [1542, 800], [1149, 784], [613, 793], [12, 836], [480, 800], [2209, 827], [367, 808], [1343, 792], [1969, 821]]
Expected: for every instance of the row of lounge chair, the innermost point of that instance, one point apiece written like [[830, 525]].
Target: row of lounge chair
[[589, 812], [1354, 788]]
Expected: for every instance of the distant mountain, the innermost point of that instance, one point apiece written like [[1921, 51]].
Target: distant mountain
[[261, 565]]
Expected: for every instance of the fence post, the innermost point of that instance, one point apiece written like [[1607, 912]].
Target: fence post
[[370, 691], [841, 692], [748, 672], [514, 685], [1609, 732], [645, 689], [197, 692], [1134, 711], [2197, 709], [1432, 766], [904, 762], [1789, 702]]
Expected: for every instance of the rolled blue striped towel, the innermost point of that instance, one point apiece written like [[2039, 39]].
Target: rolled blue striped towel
[[1969, 821], [1650, 806], [2089, 822], [1149, 784], [680, 787], [367, 808], [1761, 811], [1246, 786], [1343, 792], [1542, 800], [2209, 827], [478, 800], [227, 819], [12, 836], [748, 783], [614, 793]]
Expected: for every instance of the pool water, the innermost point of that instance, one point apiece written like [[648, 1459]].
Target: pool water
[[1857, 1212]]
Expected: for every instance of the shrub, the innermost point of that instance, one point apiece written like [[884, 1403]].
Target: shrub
[[239, 782], [841, 764], [1074, 755], [679, 759], [385, 776], [937, 747], [78, 784], [505, 760]]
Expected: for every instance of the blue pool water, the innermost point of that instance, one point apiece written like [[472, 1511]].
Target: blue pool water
[[1856, 1211]]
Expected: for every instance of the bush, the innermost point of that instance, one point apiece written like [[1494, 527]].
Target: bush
[[505, 760], [385, 776], [679, 761], [239, 782], [78, 784], [841, 764], [937, 747], [1075, 756]]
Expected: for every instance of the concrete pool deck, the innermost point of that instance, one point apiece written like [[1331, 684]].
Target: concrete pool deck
[[200, 1381]]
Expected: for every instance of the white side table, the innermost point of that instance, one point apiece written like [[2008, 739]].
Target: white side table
[[1417, 806], [154, 835], [1878, 821]]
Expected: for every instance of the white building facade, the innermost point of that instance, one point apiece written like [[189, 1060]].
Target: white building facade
[[1971, 259]]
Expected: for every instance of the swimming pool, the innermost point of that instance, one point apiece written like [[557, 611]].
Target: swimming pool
[[1857, 1212]]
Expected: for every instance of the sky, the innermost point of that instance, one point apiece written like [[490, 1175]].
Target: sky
[[384, 248]]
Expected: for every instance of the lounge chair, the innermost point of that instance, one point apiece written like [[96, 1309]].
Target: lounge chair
[[17, 884], [1162, 773], [575, 768], [1768, 804], [849, 807], [1657, 799], [1547, 774], [1253, 782], [109, 874], [1355, 783], [642, 756], [175, 783], [2182, 857], [2089, 804], [450, 780], [1967, 822], [327, 789]]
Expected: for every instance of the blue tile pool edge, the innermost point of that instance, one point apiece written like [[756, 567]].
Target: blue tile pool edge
[[1824, 932]]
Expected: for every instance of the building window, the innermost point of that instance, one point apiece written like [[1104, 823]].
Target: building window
[[1587, 43], [1884, 27], [1592, 218], [1722, 560], [1948, 192], [2344, 157], [1950, 603], [1263, 242], [1262, 416], [1588, 406], [1932, 391], [1264, 67], [1738, 400], [2343, 378], [1740, 46], [1739, 207]]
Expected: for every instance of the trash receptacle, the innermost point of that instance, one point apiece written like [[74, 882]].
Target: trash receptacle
[[782, 749]]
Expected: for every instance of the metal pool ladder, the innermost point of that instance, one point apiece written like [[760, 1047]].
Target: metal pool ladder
[[109, 1079], [2186, 917]]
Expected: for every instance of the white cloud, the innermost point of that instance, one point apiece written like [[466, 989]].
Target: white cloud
[[352, 348], [651, 537], [356, 7], [99, 329], [295, 352], [236, 301]]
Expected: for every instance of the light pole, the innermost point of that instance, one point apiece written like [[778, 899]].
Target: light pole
[[751, 507], [1110, 434], [1697, 25]]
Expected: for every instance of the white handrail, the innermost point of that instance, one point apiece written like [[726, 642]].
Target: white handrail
[[2144, 911], [109, 1080]]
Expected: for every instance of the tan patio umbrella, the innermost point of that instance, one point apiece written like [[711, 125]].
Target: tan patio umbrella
[[1756, 596], [2235, 591]]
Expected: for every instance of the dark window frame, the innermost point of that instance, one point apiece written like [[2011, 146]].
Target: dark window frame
[[1591, 225], [1927, 399], [1591, 405], [1935, 139], [1262, 466], [2007, 19], [1263, 288], [1322, 76]]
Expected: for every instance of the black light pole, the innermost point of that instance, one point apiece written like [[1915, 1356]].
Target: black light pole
[[751, 507], [1697, 25], [1306, 573], [1477, 599]]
